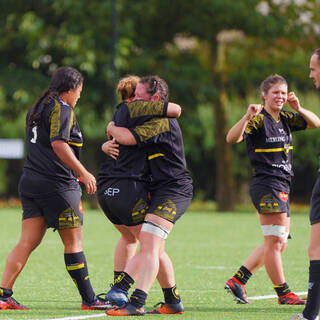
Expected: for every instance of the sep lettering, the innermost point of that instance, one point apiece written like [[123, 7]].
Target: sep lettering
[[111, 192]]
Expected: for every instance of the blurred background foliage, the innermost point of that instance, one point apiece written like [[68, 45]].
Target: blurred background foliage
[[213, 53]]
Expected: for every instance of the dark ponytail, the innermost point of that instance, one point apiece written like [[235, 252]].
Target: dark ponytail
[[156, 85], [63, 80]]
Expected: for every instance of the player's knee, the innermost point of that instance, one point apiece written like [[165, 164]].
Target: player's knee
[[314, 252], [28, 246], [72, 245], [129, 238], [276, 244], [276, 236], [284, 245]]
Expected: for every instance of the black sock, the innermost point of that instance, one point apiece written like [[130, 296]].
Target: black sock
[[116, 274], [171, 295], [76, 265], [282, 289], [5, 293], [312, 307], [124, 281], [243, 275], [138, 298]]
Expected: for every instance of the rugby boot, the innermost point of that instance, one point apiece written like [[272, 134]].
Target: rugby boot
[[98, 304], [11, 303], [300, 316], [127, 310], [117, 297], [237, 289], [290, 298], [168, 308]]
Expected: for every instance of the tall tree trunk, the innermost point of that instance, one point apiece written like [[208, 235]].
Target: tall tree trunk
[[225, 180], [225, 196]]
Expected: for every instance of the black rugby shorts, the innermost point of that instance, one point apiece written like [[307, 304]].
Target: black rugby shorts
[[267, 199], [62, 210], [124, 201], [168, 204]]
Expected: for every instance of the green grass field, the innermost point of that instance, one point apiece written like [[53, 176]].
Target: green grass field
[[206, 249]]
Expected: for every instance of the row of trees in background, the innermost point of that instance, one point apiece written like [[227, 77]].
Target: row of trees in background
[[213, 54]]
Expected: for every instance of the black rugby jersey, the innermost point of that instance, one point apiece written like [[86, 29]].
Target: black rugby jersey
[[131, 162], [269, 143], [166, 157], [42, 165]]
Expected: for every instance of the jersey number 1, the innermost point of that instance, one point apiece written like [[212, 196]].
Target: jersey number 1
[[35, 135]]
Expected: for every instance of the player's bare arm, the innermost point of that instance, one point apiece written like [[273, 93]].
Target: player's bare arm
[[64, 152], [235, 134], [313, 121]]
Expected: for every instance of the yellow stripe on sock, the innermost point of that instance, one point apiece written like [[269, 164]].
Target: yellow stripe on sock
[[75, 267]]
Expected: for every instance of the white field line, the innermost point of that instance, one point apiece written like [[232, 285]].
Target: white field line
[[271, 296], [99, 315]]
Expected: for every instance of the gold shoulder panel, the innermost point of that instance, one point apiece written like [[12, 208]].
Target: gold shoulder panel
[[254, 124], [145, 108], [152, 128]]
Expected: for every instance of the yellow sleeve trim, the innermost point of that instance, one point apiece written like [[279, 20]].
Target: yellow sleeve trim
[[145, 108], [55, 120], [156, 155], [76, 144], [152, 128]]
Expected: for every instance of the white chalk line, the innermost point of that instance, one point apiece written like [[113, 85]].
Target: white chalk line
[[99, 315], [271, 296]]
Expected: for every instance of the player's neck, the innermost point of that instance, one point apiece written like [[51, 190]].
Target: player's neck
[[273, 113]]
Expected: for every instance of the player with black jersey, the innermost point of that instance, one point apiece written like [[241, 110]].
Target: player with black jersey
[[131, 166], [49, 191], [122, 180], [267, 132], [171, 193]]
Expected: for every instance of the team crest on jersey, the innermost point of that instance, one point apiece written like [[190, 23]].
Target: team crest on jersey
[[283, 196]]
